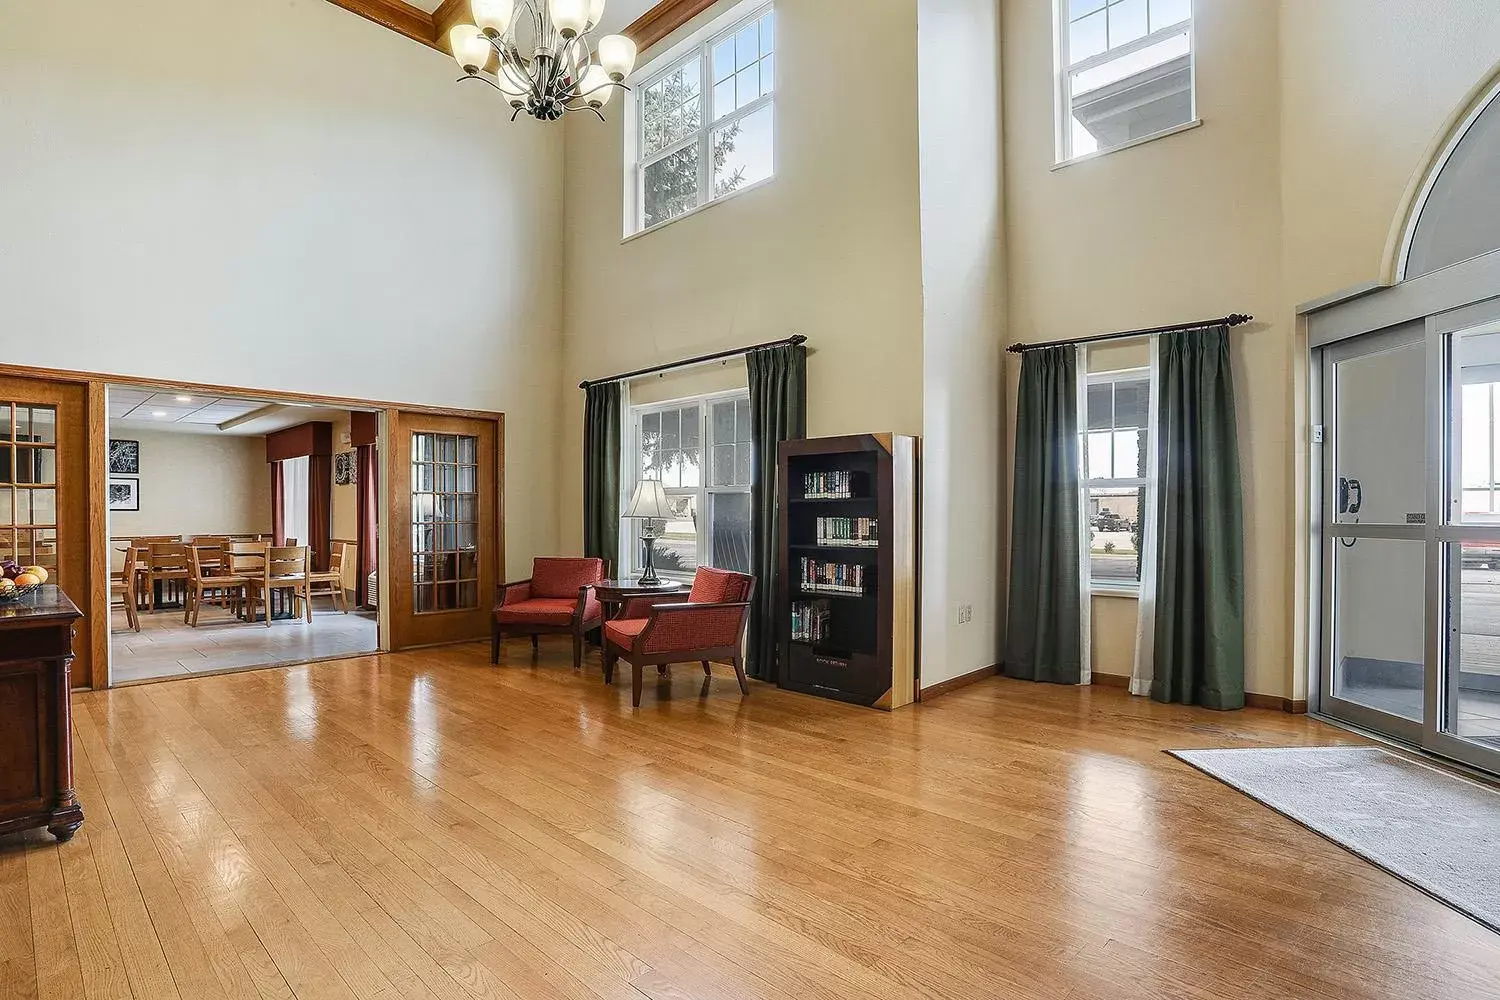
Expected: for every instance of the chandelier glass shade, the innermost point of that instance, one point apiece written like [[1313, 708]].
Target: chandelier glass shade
[[540, 56]]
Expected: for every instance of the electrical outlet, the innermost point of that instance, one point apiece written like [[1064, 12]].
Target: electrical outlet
[[965, 613]]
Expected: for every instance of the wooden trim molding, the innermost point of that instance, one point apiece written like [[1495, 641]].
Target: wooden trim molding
[[432, 29], [402, 18], [1276, 703], [663, 19], [961, 681], [1110, 680]]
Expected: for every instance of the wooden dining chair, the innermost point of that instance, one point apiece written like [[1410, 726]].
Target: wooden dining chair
[[167, 564], [286, 567], [331, 581], [200, 582], [125, 586], [245, 559]]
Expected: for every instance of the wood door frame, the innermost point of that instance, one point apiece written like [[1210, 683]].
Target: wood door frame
[[96, 626], [392, 501]]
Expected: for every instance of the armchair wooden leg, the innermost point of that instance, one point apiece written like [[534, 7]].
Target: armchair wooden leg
[[739, 671], [609, 666], [495, 643], [577, 650], [635, 685], [534, 642], [708, 671]]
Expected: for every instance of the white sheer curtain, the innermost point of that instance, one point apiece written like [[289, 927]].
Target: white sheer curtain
[[294, 478], [1085, 571], [1145, 621]]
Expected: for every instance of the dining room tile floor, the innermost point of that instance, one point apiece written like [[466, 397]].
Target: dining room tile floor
[[165, 647]]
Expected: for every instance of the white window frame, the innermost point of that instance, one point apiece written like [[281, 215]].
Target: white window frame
[[1110, 586], [1063, 88], [700, 45], [630, 538]]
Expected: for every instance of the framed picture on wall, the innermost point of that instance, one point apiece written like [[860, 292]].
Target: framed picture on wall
[[343, 469], [124, 493], [124, 458]]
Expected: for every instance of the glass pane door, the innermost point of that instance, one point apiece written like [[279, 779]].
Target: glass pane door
[[1466, 689], [1376, 555]]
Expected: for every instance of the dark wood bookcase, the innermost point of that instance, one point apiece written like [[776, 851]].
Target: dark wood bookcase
[[849, 569]]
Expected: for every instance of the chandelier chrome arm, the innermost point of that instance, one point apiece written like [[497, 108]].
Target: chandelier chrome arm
[[556, 68]]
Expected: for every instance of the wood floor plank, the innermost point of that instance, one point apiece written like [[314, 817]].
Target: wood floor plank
[[426, 826]]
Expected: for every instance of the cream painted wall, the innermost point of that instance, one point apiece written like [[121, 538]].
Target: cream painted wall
[[830, 248], [281, 196], [1177, 229], [197, 484], [963, 448]]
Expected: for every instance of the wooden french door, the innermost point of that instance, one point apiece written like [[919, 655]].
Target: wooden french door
[[445, 526], [44, 492]]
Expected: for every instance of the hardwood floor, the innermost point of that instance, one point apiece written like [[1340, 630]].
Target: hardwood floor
[[424, 825]]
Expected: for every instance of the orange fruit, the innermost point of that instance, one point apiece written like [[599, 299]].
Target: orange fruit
[[38, 572], [27, 580]]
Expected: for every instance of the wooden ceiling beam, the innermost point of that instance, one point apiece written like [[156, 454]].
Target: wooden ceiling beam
[[663, 19], [402, 18], [432, 29]]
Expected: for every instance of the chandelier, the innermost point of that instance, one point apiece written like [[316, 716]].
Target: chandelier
[[545, 64]]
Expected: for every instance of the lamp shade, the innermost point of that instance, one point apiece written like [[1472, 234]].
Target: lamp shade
[[493, 16], [470, 48], [617, 55], [595, 87], [570, 17], [596, 11], [649, 501], [513, 92]]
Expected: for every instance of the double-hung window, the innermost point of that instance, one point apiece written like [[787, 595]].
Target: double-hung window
[[699, 448], [1116, 440], [704, 123], [1124, 72]]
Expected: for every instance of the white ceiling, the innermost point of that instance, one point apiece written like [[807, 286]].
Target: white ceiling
[[184, 413]]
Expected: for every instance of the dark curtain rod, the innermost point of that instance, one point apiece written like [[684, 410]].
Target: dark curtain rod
[[1233, 319], [795, 341]]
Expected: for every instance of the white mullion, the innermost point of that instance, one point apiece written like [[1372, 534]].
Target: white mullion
[[733, 116], [667, 151], [1129, 48], [705, 126]]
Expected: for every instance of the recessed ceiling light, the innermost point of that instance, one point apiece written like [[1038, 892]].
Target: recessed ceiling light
[[184, 399], [158, 413]]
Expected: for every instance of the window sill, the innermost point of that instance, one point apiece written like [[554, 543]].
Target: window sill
[[1105, 590], [1086, 157], [701, 208]]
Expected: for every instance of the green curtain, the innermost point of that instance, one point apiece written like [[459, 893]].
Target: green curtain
[[1044, 639], [1200, 577], [778, 412], [601, 472]]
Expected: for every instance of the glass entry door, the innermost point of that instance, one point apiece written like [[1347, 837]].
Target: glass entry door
[[1410, 515], [1375, 539]]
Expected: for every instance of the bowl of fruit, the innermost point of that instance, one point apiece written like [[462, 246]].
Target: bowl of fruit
[[16, 581]]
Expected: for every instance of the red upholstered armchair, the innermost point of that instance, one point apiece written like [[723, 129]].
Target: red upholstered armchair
[[559, 599], [709, 626]]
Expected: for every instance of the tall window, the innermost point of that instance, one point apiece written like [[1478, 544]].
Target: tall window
[[1115, 455], [699, 449], [704, 124], [1125, 72], [1479, 456]]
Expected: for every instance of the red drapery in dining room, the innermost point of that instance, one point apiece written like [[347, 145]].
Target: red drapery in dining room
[[314, 440], [362, 434], [278, 513]]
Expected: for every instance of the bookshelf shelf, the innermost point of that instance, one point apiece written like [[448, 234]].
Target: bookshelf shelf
[[848, 569]]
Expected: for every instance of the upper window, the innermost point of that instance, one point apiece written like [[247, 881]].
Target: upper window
[[1115, 470], [1125, 72], [699, 448], [704, 124]]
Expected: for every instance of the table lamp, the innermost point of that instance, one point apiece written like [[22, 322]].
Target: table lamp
[[649, 505]]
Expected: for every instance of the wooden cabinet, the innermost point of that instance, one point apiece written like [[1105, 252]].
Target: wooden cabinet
[[849, 568], [36, 731]]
